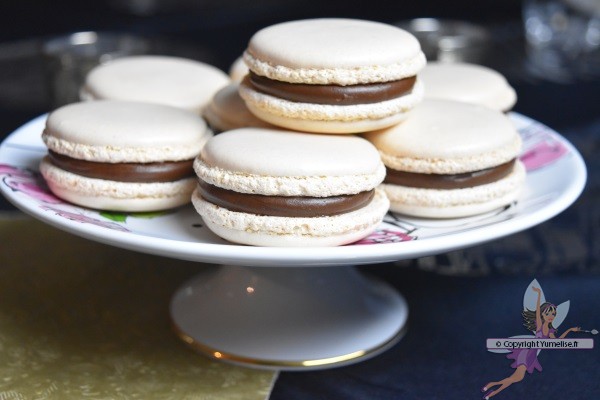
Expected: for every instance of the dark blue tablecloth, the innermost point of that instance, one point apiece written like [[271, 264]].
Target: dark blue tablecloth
[[443, 355]]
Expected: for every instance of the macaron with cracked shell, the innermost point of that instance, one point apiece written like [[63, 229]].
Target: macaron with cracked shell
[[471, 83], [281, 188], [172, 81], [332, 75], [122, 156], [227, 111], [450, 159]]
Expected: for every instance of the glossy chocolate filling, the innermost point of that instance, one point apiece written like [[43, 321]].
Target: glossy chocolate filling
[[283, 206], [331, 94], [454, 181], [125, 172]]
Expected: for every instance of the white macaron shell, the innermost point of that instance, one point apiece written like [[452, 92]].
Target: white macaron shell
[[173, 81], [448, 137], [260, 230], [330, 50], [277, 162], [454, 203], [116, 196], [228, 111], [329, 126], [118, 131], [470, 83]]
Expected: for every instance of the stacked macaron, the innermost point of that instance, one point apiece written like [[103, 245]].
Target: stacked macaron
[[444, 159], [122, 156], [130, 145], [332, 75], [281, 188], [173, 81], [450, 159], [274, 187], [227, 111], [468, 83], [281, 174]]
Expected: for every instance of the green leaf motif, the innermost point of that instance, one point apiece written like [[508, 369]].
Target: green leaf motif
[[149, 215], [122, 217], [113, 216]]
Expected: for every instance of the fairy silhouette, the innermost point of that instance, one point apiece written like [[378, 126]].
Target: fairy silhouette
[[540, 317]]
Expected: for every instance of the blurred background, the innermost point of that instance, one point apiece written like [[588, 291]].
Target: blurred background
[[490, 33]]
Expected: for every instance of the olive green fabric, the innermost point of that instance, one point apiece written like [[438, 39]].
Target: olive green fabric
[[80, 319]]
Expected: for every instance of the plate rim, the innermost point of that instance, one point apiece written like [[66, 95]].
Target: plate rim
[[234, 254]]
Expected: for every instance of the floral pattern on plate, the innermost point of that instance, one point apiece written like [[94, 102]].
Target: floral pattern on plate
[[540, 147], [31, 184]]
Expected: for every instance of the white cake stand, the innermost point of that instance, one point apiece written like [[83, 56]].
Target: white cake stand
[[255, 309]]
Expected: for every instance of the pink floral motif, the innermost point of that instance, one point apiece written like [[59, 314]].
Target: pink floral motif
[[27, 182], [542, 154], [381, 236], [540, 146], [6, 169], [32, 185], [84, 219]]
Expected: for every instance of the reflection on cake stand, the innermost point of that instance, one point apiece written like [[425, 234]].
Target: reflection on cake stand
[[272, 307]]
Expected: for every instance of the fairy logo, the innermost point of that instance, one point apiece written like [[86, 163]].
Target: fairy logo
[[542, 319]]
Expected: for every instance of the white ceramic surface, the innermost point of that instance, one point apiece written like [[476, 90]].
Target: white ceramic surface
[[556, 177], [292, 319]]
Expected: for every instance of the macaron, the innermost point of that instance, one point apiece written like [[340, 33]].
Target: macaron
[[227, 111], [238, 70], [280, 188], [332, 75], [450, 159], [122, 156], [470, 83], [172, 81]]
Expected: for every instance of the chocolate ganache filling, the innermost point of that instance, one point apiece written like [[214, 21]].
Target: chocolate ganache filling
[[283, 206], [125, 172], [331, 94], [451, 181]]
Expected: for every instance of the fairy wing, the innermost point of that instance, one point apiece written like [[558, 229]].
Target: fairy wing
[[530, 297], [561, 313]]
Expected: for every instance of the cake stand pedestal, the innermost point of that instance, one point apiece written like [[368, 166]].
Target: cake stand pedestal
[[288, 318]]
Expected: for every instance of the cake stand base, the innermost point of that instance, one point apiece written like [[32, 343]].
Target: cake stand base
[[288, 318]]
